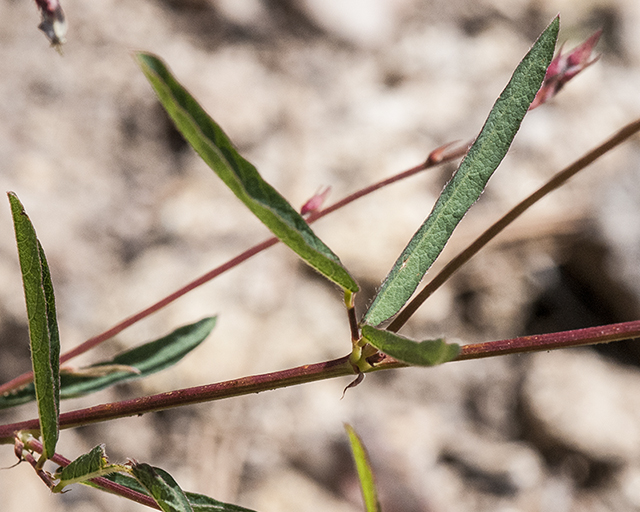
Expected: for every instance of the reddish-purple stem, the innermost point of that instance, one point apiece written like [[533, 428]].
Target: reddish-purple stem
[[188, 396], [438, 156], [564, 339], [319, 371], [539, 342], [24, 455], [102, 482], [116, 329]]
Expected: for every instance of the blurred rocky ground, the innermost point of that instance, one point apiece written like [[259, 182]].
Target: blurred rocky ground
[[340, 93]]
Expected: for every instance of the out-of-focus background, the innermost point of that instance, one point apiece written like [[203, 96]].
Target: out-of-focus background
[[340, 93]]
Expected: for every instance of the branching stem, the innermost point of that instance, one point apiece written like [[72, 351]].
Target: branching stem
[[440, 155], [342, 366], [104, 483], [314, 372]]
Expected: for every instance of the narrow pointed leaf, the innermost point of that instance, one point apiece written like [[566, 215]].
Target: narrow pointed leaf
[[198, 502], [468, 182], [123, 479], [43, 327], [423, 353], [87, 466], [162, 487], [365, 473], [215, 148], [132, 364], [52, 324], [86, 463], [202, 503]]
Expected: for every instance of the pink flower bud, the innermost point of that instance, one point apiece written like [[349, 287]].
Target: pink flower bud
[[316, 201], [564, 67]]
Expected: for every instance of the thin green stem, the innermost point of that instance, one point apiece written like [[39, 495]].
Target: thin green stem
[[349, 302], [555, 182]]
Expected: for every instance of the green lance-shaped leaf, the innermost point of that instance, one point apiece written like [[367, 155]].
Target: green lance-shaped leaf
[[87, 466], [123, 479], [132, 364], [468, 182], [43, 327], [162, 487], [202, 503], [215, 148], [423, 353], [198, 502], [365, 473]]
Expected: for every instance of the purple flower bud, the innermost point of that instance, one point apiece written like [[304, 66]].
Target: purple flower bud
[[564, 67]]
